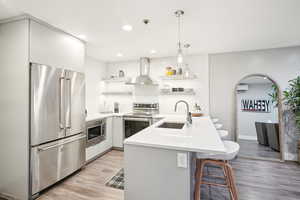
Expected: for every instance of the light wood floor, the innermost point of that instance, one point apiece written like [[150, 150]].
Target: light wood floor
[[256, 180]]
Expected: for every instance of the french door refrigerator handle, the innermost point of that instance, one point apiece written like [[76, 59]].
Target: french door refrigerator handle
[[69, 124], [61, 92]]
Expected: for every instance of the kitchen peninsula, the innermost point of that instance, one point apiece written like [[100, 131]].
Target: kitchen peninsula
[[159, 160]]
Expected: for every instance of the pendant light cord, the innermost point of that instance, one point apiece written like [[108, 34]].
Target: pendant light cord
[[179, 33]]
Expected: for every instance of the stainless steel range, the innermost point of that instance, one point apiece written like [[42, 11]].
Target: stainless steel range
[[143, 115]]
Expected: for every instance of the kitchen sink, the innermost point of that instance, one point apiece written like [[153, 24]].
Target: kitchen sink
[[173, 125]]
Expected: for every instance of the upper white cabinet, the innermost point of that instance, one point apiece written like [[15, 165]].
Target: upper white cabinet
[[55, 48]]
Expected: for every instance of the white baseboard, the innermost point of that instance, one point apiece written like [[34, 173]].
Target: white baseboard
[[247, 137]]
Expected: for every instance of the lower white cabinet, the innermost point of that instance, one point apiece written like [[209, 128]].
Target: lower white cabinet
[[109, 132], [118, 131], [95, 150], [114, 138]]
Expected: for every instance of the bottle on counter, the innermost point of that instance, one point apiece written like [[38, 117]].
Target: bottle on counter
[[169, 71], [116, 107], [187, 72], [197, 111], [121, 73], [179, 71]]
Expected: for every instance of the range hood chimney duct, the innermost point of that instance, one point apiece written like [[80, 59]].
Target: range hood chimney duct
[[143, 78]]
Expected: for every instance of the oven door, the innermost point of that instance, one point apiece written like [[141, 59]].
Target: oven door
[[134, 125]]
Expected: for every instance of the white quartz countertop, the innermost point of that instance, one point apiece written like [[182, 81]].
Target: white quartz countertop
[[201, 136], [96, 116]]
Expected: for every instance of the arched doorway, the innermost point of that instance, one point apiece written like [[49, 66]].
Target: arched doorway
[[258, 124]]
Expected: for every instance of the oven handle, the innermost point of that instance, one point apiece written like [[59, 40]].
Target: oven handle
[[98, 125], [60, 144], [138, 119]]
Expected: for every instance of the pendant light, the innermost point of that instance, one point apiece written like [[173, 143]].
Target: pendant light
[[178, 14]]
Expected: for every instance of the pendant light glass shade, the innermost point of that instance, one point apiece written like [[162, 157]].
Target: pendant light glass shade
[[179, 56], [178, 14]]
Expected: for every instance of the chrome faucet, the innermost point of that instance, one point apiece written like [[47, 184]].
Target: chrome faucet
[[189, 120]]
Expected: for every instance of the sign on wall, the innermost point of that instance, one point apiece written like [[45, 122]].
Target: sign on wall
[[255, 105]]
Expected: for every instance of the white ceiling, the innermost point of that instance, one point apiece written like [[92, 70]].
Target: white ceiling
[[210, 26]]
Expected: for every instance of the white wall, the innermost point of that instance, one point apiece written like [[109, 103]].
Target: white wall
[[246, 120], [197, 64], [95, 70], [227, 69]]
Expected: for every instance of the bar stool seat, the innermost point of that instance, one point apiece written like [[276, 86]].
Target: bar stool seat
[[218, 126], [223, 133], [232, 149], [214, 120], [221, 160]]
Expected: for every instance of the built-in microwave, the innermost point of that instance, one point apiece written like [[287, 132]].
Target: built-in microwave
[[95, 131]]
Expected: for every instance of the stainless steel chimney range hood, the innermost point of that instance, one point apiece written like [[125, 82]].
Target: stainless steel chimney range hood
[[143, 78]]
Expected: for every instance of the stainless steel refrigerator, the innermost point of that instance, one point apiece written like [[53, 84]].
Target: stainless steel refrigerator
[[57, 129]]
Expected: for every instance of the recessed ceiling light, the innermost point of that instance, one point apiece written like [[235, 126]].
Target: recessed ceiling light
[[127, 27], [153, 51], [119, 54], [83, 37]]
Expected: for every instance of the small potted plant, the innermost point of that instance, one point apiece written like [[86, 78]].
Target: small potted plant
[[274, 95]]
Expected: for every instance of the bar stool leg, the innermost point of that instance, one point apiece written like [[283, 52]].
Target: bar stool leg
[[228, 181], [197, 180], [233, 184], [200, 167]]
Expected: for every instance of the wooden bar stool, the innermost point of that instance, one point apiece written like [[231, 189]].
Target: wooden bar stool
[[221, 160]]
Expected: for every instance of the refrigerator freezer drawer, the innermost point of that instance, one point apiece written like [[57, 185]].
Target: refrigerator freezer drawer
[[54, 161]]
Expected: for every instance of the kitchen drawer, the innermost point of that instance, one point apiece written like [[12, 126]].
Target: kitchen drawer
[[54, 161]]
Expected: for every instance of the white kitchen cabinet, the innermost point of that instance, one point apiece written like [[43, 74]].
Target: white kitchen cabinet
[[98, 149], [109, 132], [118, 132], [14, 105], [55, 48]]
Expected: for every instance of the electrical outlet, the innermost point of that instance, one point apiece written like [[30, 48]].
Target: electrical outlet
[[182, 160]]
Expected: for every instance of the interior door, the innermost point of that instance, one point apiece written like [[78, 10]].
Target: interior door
[[75, 103], [47, 103]]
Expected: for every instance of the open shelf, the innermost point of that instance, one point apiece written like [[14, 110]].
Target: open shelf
[[116, 93], [116, 80], [178, 77], [190, 92]]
